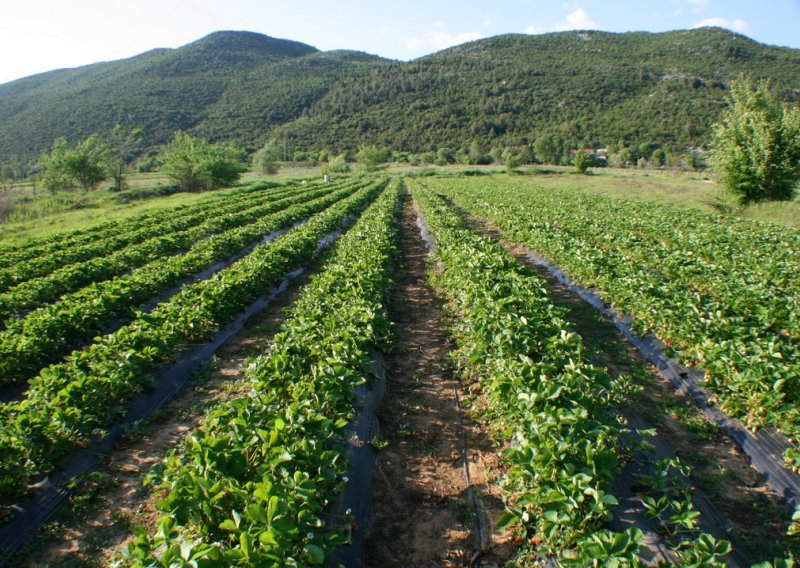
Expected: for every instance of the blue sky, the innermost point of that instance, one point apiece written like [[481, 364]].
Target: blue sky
[[39, 35]]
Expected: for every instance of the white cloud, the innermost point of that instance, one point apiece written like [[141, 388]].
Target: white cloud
[[438, 25], [579, 19], [488, 23], [440, 39], [737, 24]]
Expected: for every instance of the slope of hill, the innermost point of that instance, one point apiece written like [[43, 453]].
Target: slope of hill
[[592, 87], [159, 91]]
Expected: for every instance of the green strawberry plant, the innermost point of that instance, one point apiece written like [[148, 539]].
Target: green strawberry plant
[[249, 487]]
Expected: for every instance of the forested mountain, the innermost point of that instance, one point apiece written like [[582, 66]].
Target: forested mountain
[[589, 87]]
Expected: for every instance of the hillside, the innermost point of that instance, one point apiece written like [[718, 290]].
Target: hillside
[[189, 88], [591, 87]]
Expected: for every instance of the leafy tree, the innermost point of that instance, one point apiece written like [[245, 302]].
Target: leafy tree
[[756, 149], [478, 155], [659, 158], [336, 165], [265, 160], [582, 161], [445, 156], [512, 159], [428, 157], [622, 158], [697, 161], [400, 157], [85, 164], [122, 145], [54, 167], [675, 162], [195, 164], [550, 149], [372, 157]]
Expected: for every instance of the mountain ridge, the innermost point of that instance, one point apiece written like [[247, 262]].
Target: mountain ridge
[[587, 86]]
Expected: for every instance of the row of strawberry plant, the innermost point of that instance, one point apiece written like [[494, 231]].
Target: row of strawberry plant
[[13, 253], [46, 334], [50, 260], [48, 288], [553, 408], [65, 402], [744, 334], [249, 487]]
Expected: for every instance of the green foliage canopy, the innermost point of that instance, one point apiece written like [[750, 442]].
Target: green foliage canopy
[[372, 157], [550, 149], [195, 164], [85, 164], [582, 161], [267, 158], [336, 165], [756, 151]]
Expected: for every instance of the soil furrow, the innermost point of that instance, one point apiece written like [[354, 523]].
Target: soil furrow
[[424, 513]]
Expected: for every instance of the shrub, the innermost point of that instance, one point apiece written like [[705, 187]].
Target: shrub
[[756, 150], [195, 164]]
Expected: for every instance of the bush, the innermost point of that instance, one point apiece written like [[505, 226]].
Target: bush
[[372, 157], [194, 164], [756, 150], [265, 160], [582, 161], [337, 165], [444, 157]]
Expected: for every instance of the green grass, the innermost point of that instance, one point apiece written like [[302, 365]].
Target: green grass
[[690, 190], [40, 213], [47, 214]]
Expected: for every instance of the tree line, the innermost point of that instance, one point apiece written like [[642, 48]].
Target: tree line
[[755, 154]]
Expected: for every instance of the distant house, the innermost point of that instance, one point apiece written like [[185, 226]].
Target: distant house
[[600, 155]]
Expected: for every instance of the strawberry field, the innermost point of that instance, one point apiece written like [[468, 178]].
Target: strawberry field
[[93, 319]]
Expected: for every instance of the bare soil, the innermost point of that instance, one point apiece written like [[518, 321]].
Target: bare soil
[[97, 524], [423, 513]]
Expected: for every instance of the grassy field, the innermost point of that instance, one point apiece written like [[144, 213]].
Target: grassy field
[[692, 190], [38, 213], [43, 214]]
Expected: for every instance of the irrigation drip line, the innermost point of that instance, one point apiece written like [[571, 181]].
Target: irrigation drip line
[[765, 448], [46, 497]]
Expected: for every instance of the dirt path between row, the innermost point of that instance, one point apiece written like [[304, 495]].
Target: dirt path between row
[[97, 523], [423, 512]]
